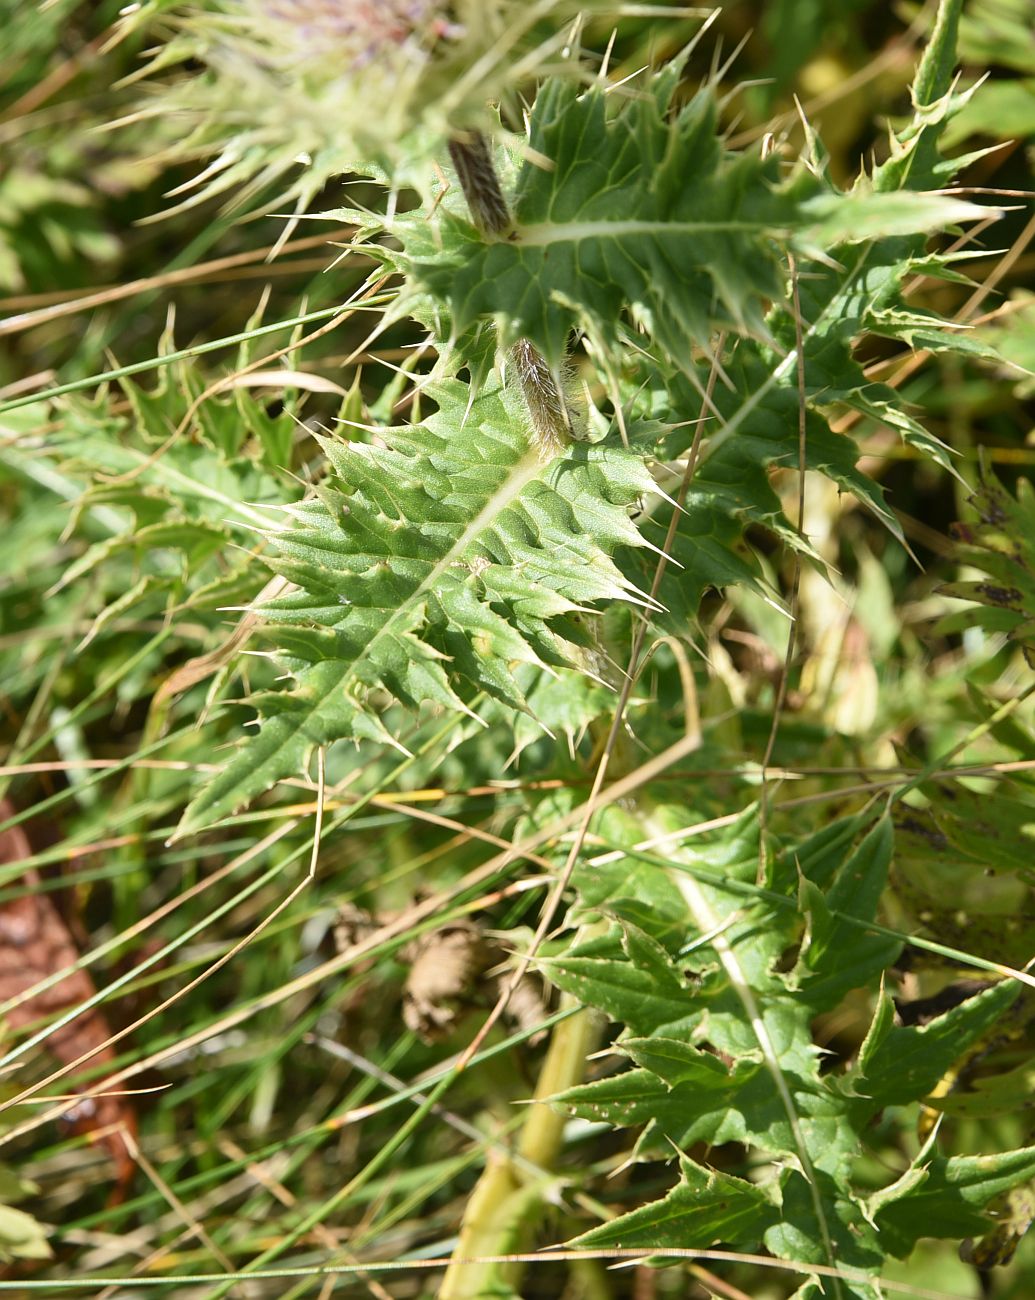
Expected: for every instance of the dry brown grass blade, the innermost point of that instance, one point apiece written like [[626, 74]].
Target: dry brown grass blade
[[66, 306], [420, 912], [203, 666]]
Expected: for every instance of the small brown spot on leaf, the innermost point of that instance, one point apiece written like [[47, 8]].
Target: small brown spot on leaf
[[1009, 597]]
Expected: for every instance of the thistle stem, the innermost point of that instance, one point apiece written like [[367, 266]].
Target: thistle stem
[[507, 1204]]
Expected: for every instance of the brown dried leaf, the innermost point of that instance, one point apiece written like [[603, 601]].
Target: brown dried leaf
[[35, 943], [445, 966]]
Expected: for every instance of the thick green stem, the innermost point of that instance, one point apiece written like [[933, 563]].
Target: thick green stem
[[508, 1202]]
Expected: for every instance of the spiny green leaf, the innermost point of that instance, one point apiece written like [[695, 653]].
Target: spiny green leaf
[[430, 568], [988, 1098], [962, 830], [645, 990], [1002, 545], [798, 1235], [702, 1074], [636, 984], [630, 209], [914, 162], [682, 1094], [839, 956], [863, 215], [948, 1197], [705, 1206], [901, 1063]]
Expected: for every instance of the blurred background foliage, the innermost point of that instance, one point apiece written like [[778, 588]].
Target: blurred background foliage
[[117, 564]]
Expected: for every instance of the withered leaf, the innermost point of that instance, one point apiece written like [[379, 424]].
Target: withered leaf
[[35, 943]]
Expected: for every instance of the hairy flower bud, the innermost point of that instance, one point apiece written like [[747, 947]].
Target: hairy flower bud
[[282, 95], [357, 32]]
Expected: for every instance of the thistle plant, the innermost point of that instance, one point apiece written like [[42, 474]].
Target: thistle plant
[[543, 460], [292, 93]]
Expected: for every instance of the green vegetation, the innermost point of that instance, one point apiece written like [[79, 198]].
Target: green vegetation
[[517, 616]]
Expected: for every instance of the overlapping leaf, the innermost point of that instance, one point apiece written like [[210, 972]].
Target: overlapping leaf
[[852, 266], [1002, 545], [614, 212], [633, 210], [721, 1049], [429, 569]]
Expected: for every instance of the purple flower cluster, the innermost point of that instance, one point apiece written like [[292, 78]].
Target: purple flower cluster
[[359, 30]]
